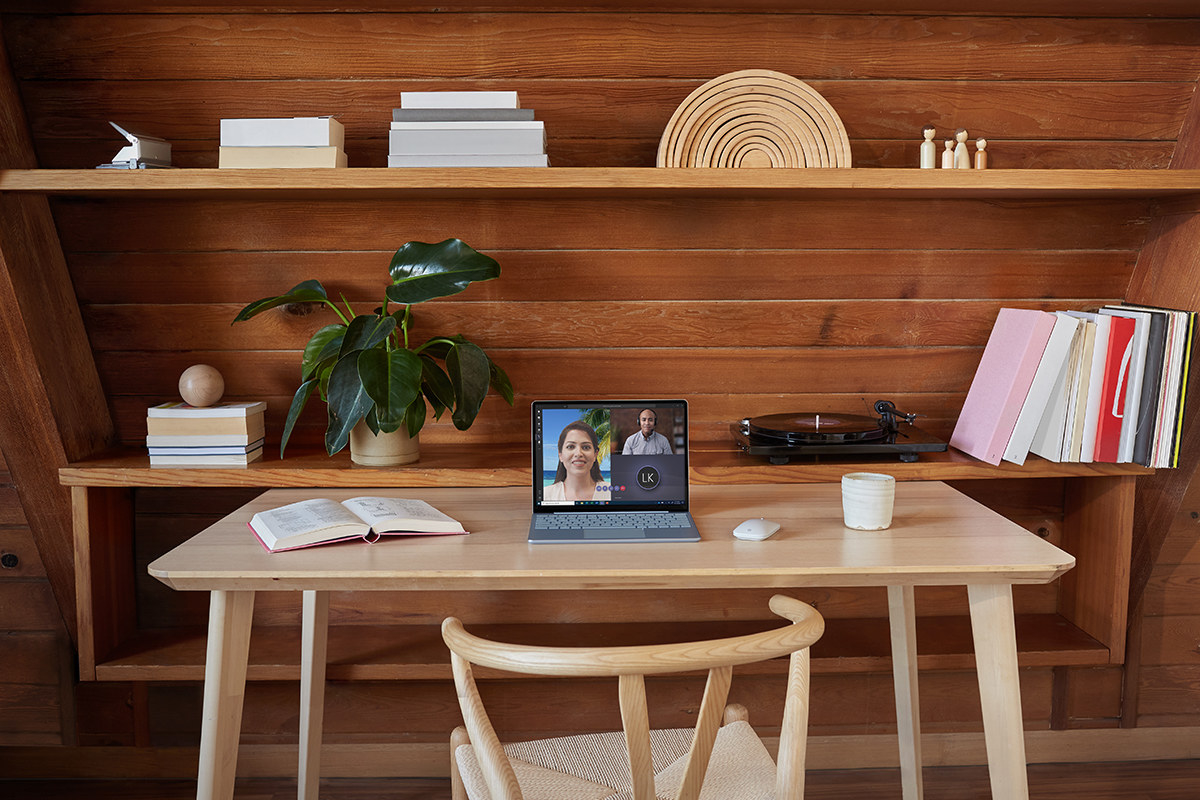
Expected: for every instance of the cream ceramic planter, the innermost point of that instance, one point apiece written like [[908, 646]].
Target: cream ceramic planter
[[384, 450]]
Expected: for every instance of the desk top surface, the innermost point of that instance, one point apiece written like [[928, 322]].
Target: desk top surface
[[938, 536]]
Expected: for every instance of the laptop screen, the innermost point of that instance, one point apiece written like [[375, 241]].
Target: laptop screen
[[627, 455]]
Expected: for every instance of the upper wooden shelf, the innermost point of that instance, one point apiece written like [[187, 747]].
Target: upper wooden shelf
[[463, 465], [371, 183]]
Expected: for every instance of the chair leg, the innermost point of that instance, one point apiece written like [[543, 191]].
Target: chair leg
[[458, 737], [736, 712]]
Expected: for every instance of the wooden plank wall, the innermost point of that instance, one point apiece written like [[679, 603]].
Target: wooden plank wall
[[35, 659], [743, 306]]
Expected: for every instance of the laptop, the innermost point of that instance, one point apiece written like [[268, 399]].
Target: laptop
[[610, 471]]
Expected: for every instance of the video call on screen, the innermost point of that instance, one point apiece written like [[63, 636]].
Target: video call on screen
[[635, 469]]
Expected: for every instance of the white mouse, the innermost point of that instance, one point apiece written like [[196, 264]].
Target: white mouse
[[755, 530]]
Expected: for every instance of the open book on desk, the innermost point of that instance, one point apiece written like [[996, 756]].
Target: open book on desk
[[323, 521]]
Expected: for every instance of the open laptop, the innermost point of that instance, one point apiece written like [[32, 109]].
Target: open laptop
[[611, 471]]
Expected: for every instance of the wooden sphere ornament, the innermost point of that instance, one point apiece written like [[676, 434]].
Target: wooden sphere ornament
[[754, 118], [201, 385]]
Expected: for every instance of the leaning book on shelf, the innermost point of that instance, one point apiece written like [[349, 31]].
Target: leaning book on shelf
[[323, 521]]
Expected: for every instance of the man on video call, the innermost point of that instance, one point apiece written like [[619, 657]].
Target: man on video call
[[647, 441]]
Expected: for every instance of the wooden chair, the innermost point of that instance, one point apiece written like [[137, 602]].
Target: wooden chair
[[714, 761]]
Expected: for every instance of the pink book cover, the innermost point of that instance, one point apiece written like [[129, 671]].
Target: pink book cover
[[1001, 382]]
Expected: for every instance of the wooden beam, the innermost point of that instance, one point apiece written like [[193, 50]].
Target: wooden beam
[[52, 409]]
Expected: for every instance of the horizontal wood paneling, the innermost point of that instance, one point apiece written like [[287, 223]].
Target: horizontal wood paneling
[[1173, 589], [18, 542], [397, 712], [28, 605], [1171, 639], [237, 278], [444, 48], [580, 324], [1168, 695], [580, 224]]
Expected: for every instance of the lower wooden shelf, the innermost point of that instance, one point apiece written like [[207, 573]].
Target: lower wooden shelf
[[416, 652]]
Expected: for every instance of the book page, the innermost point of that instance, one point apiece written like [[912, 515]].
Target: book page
[[295, 519], [376, 511]]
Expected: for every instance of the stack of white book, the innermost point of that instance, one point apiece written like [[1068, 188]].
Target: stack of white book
[[465, 129], [282, 142], [224, 435]]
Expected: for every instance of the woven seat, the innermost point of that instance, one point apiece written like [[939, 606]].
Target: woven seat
[[711, 762]]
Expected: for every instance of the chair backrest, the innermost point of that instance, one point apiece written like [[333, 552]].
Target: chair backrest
[[630, 665]]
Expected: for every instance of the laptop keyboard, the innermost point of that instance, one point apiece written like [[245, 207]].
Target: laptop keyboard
[[612, 519]]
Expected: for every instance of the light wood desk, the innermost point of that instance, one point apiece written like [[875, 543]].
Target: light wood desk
[[938, 537]]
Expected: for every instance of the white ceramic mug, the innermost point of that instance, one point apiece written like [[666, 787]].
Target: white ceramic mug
[[867, 500]]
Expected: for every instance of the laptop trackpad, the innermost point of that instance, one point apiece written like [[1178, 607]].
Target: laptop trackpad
[[614, 533]]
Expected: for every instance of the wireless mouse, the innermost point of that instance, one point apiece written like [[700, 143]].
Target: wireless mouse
[[755, 530]]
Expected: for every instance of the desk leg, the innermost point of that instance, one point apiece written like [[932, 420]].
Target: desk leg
[[314, 636], [994, 631], [903, 618], [229, 618]]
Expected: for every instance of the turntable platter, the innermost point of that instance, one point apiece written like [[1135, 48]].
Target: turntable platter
[[810, 428]]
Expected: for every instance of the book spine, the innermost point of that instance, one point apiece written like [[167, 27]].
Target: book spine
[[495, 99], [283, 132], [461, 114]]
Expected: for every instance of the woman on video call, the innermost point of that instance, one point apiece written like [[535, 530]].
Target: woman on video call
[[578, 476]]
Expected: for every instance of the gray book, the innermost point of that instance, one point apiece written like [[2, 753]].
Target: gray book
[[460, 114]]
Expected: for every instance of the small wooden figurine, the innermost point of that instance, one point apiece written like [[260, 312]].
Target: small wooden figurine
[[980, 154], [962, 158], [948, 155], [201, 385], [928, 148]]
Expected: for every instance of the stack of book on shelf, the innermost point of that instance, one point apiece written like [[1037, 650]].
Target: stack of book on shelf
[[282, 142], [223, 435], [1073, 386], [465, 129]]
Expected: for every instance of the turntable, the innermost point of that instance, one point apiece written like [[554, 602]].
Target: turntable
[[781, 437]]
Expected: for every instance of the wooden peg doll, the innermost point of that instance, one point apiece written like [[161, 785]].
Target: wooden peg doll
[[928, 148], [948, 155], [981, 154], [962, 158]]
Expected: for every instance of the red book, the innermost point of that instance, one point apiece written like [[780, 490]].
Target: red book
[[1112, 395], [1006, 369]]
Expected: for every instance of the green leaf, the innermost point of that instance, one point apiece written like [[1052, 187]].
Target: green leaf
[[467, 366], [392, 380], [423, 271], [306, 292], [324, 345], [499, 381], [347, 403], [366, 331], [437, 385], [298, 401], [414, 417]]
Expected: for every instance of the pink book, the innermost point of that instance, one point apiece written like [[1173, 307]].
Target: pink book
[[1001, 382]]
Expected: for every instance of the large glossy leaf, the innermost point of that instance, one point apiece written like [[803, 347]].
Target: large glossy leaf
[[414, 417], [467, 366], [301, 397], [324, 345], [306, 292], [423, 271], [440, 347], [437, 385], [366, 331], [392, 380], [347, 403]]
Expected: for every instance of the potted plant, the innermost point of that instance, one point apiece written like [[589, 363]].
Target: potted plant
[[364, 368]]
